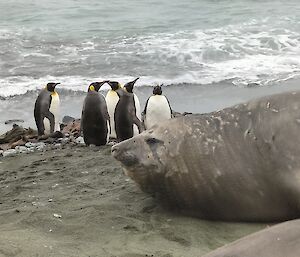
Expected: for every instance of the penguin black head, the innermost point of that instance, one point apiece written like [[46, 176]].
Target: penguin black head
[[115, 85], [51, 86], [157, 90], [95, 86], [129, 86]]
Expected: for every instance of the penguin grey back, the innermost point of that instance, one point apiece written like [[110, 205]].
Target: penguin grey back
[[94, 119]]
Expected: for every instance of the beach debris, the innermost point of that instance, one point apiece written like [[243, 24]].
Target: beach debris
[[72, 128], [13, 121], [57, 215], [26, 140], [17, 134]]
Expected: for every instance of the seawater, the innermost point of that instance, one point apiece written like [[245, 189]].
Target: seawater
[[199, 42]]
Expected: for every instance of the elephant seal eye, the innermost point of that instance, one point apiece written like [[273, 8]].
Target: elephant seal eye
[[152, 141]]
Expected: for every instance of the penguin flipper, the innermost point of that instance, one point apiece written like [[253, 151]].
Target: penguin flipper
[[170, 107], [145, 110], [49, 115], [139, 124]]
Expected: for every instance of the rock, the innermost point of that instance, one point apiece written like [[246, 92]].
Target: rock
[[22, 149], [29, 144], [17, 133], [67, 119], [10, 152], [63, 140], [30, 150], [57, 146], [40, 146], [57, 134], [79, 140], [72, 128]]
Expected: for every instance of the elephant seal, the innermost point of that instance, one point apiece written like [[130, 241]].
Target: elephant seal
[[281, 240], [237, 164]]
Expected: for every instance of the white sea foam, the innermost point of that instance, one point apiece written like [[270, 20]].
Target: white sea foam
[[258, 52]]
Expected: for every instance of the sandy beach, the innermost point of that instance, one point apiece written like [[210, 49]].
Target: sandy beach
[[77, 202]]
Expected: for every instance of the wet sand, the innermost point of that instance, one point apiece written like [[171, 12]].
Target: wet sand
[[77, 202]]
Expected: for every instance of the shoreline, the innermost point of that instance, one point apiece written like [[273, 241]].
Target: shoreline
[[183, 98]]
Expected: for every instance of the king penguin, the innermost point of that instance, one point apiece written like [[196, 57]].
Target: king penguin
[[46, 110], [125, 116], [157, 108], [112, 99], [95, 118], [129, 88]]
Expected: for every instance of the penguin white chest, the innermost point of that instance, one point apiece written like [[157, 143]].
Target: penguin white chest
[[55, 110], [112, 99], [158, 110], [137, 113]]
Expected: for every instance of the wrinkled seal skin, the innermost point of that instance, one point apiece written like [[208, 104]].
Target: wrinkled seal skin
[[238, 164], [282, 240]]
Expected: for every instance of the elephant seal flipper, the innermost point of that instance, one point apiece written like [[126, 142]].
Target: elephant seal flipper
[[281, 240]]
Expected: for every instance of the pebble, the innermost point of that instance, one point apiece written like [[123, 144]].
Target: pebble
[[30, 150], [63, 140], [10, 152], [21, 149], [79, 140], [57, 146], [40, 144], [29, 144]]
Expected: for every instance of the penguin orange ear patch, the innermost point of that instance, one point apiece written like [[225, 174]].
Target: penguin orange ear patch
[[92, 88]]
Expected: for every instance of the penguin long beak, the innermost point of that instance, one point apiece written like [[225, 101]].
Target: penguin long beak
[[135, 80], [56, 84]]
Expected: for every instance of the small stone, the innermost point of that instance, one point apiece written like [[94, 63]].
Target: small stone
[[10, 152], [40, 144], [57, 146], [29, 144], [57, 216], [79, 140], [22, 149]]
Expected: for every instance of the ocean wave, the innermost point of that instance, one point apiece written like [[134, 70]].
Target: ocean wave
[[15, 86], [257, 52]]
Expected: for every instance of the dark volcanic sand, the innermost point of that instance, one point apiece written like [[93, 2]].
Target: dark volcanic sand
[[78, 202]]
